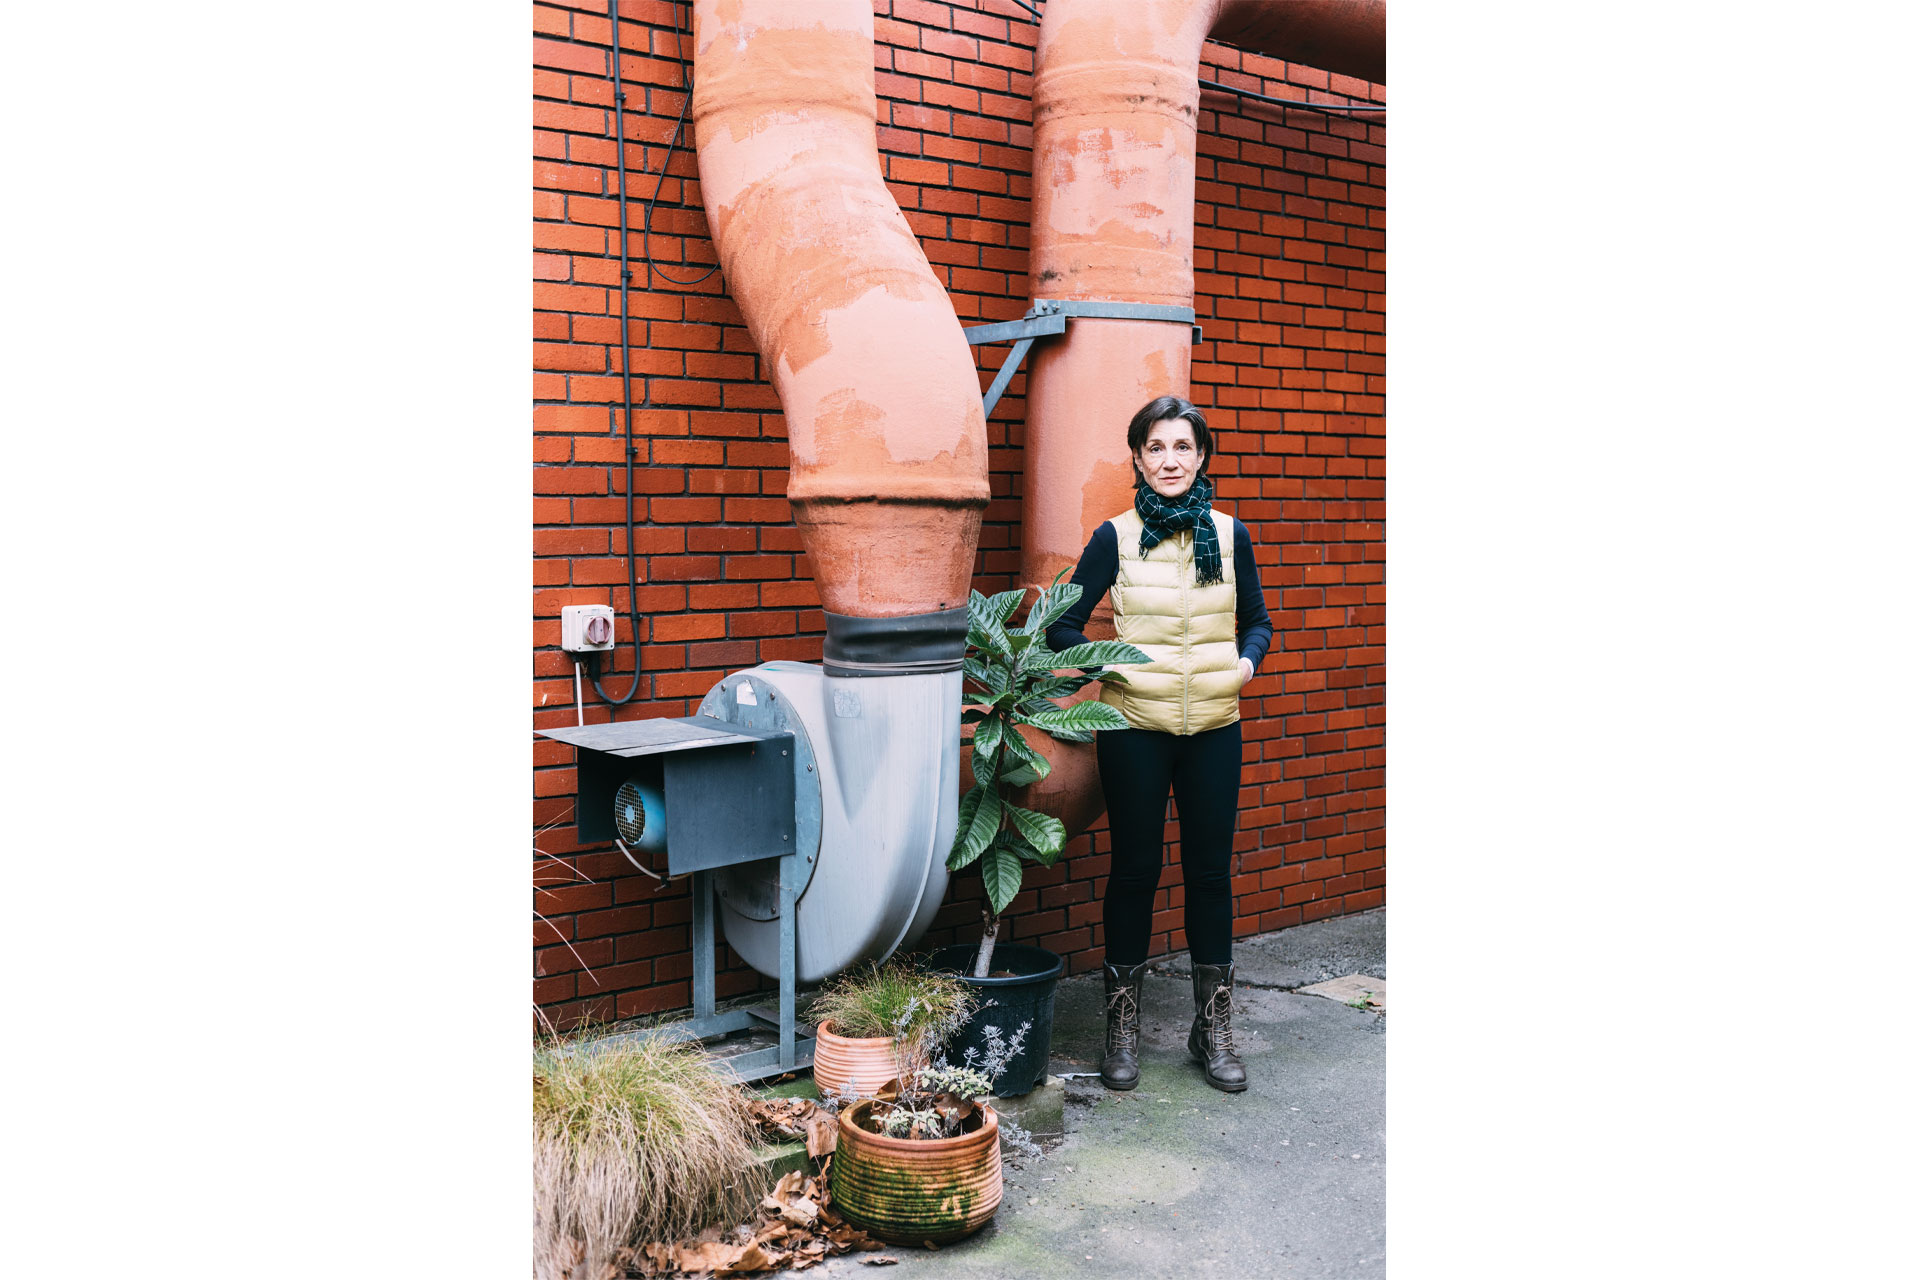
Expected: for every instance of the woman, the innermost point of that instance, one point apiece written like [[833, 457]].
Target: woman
[[1185, 590]]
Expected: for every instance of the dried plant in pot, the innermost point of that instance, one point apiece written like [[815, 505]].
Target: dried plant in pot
[[877, 1023], [922, 1167]]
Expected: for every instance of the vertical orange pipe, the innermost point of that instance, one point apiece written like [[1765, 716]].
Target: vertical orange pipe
[[888, 442], [1116, 100]]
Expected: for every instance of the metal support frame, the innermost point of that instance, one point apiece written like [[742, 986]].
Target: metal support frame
[[794, 1051], [698, 847], [1049, 316]]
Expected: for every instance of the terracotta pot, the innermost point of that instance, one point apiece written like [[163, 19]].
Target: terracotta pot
[[852, 1064], [910, 1190]]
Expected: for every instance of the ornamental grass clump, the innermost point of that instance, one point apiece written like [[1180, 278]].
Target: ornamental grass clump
[[915, 1007], [633, 1141]]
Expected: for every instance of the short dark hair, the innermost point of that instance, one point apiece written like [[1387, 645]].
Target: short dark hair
[[1171, 407]]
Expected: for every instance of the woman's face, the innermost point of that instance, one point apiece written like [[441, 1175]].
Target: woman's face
[[1170, 458]]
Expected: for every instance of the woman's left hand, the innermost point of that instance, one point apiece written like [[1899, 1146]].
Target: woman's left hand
[[1246, 671]]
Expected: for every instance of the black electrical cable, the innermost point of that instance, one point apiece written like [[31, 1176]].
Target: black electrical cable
[[626, 344], [626, 368], [646, 214]]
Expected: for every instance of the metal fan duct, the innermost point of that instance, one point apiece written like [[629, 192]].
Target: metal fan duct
[[872, 832]]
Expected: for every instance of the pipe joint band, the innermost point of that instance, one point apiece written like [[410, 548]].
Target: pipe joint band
[[917, 644], [1107, 309]]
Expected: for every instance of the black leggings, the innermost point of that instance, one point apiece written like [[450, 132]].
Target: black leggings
[[1137, 766]]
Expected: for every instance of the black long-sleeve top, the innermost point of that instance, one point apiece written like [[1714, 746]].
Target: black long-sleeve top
[[1100, 564]]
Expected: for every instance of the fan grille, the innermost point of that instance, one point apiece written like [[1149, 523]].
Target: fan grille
[[629, 812]]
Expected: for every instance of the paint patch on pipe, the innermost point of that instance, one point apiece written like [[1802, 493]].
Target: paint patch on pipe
[[891, 344], [844, 410], [1154, 371]]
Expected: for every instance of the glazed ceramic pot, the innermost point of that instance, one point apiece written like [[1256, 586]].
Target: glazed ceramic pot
[[913, 1190], [855, 1065]]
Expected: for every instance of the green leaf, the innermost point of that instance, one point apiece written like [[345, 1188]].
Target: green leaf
[[1099, 653], [1017, 746], [969, 806], [1035, 660], [1020, 764], [1021, 642], [987, 675], [973, 715], [1007, 602], [1024, 773], [1029, 854], [987, 736], [1058, 686], [1047, 835], [1053, 603], [986, 743], [984, 631], [1008, 701], [979, 820], [1081, 717], [1000, 871]]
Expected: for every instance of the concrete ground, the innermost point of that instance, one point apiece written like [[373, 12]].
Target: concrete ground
[[1178, 1179]]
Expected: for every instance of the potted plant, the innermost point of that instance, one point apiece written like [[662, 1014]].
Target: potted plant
[[1012, 680], [923, 1166], [876, 1022]]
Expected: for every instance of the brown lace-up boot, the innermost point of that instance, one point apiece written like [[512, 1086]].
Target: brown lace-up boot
[[1211, 1040], [1120, 1068]]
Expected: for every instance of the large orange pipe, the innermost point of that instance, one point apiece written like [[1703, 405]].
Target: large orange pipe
[[1116, 101], [888, 442]]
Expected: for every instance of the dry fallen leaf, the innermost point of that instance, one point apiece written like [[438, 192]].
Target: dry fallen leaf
[[794, 1228], [754, 1258], [782, 1117], [880, 1260], [710, 1256], [823, 1136], [790, 1185]]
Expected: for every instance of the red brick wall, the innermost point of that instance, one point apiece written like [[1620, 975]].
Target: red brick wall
[[1289, 278]]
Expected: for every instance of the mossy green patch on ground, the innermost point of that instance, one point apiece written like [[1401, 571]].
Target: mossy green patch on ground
[[781, 1158], [799, 1087]]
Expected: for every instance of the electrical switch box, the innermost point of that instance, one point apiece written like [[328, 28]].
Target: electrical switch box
[[586, 628]]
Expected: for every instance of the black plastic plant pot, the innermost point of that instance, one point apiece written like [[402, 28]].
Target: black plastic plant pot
[[1026, 995]]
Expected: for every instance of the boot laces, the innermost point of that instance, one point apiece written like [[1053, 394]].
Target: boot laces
[[1123, 1018], [1218, 1016]]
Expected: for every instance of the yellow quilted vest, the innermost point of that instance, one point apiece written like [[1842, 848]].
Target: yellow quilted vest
[[1192, 682]]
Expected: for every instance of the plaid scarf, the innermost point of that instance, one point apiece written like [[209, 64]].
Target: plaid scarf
[[1191, 510]]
